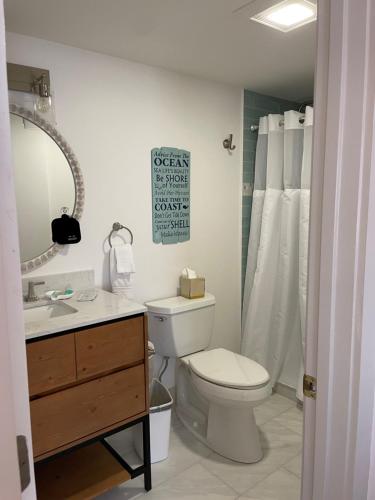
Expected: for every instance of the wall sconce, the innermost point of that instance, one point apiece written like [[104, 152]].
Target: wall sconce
[[42, 92], [35, 81]]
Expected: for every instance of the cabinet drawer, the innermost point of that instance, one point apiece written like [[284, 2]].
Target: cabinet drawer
[[63, 417], [51, 363], [105, 348]]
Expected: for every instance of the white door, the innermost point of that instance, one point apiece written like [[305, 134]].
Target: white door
[[14, 401], [340, 312]]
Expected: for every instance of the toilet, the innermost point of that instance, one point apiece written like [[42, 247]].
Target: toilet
[[216, 390]]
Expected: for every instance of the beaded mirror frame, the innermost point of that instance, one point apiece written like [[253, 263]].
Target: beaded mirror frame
[[43, 258]]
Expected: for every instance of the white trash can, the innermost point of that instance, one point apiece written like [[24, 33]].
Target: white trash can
[[160, 423]]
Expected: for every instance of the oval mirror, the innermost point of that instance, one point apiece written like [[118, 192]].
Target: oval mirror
[[48, 182]]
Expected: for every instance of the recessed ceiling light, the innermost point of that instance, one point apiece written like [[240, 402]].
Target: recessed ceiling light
[[287, 15]]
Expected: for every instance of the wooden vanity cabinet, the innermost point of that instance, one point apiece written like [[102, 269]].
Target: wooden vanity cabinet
[[51, 363], [85, 383], [109, 347]]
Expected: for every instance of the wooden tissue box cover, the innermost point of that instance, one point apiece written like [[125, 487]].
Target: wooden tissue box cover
[[192, 288]]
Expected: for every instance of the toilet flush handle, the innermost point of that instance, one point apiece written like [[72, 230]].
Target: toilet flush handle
[[161, 318]]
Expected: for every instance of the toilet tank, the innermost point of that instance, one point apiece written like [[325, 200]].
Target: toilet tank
[[178, 326]]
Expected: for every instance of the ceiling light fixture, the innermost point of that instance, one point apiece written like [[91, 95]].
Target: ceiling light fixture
[[287, 15]]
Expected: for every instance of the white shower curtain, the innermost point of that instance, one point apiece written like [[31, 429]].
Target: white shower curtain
[[274, 301]]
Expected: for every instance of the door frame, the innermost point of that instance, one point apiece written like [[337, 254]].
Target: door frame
[[14, 404], [339, 344]]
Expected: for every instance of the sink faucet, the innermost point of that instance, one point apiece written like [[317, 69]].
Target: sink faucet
[[31, 295]]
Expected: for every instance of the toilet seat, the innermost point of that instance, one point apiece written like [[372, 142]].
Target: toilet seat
[[228, 369], [231, 397]]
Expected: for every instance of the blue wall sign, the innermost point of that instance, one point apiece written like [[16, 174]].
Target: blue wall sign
[[170, 169]]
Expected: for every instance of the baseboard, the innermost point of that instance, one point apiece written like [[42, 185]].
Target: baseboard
[[286, 391]]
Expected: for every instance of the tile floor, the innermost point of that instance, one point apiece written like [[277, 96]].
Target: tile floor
[[193, 471]]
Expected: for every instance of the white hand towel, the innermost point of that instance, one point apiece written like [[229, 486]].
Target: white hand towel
[[124, 258], [122, 283]]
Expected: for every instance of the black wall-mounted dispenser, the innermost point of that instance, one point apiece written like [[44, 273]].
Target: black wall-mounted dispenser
[[66, 230]]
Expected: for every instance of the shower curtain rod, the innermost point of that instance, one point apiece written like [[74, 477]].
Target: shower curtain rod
[[254, 128]]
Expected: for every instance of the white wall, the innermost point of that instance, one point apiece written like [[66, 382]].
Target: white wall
[[113, 112]]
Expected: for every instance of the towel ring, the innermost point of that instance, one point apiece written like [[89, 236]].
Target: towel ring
[[116, 227]]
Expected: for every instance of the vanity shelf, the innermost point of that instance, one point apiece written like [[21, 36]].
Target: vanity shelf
[[83, 473], [86, 385]]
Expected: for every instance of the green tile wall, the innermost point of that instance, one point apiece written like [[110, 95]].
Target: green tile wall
[[255, 106]]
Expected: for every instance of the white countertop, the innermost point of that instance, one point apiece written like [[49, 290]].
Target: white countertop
[[106, 307]]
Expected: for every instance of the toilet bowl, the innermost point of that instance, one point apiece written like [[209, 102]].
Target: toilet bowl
[[233, 385], [216, 390]]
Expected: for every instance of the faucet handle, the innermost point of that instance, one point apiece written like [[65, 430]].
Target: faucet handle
[[32, 296]]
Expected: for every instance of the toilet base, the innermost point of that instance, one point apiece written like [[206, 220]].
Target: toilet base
[[229, 431], [240, 439]]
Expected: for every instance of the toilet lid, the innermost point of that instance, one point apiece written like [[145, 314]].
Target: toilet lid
[[228, 369]]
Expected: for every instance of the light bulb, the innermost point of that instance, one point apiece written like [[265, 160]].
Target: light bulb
[[43, 104], [43, 101]]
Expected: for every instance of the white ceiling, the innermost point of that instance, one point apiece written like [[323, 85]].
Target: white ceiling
[[211, 39]]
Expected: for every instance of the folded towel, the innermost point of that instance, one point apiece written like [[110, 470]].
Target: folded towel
[[124, 259], [124, 286], [122, 283]]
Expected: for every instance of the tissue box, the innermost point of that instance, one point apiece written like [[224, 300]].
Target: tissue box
[[192, 288]]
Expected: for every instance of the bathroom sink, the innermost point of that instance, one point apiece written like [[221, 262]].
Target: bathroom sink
[[44, 312]]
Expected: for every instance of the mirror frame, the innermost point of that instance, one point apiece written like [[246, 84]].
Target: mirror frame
[[30, 265]]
